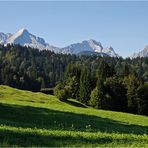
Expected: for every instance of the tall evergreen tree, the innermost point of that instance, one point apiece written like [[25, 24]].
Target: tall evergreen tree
[[126, 70], [97, 99], [104, 70], [143, 99], [85, 88], [133, 83], [117, 91], [72, 79], [97, 94]]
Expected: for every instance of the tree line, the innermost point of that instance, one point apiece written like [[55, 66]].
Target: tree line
[[101, 82], [104, 89]]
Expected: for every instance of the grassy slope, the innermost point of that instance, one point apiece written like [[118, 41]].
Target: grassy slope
[[36, 119]]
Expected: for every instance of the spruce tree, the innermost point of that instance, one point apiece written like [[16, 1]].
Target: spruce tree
[[133, 83], [97, 95], [85, 88], [72, 79]]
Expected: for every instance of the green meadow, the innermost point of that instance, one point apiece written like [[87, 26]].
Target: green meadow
[[36, 119]]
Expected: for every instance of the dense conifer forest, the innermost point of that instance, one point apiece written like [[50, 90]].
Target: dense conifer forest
[[101, 82]]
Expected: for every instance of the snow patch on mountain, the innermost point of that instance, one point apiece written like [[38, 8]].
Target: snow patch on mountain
[[89, 45], [24, 38], [4, 37], [110, 52]]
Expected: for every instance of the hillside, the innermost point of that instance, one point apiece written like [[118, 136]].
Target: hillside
[[36, 119]]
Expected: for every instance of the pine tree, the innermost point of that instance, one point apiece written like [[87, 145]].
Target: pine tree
[[133, 83], [143, 99], [72, 79], [117, 92], [104, 70], [85, 86], [126, 70], [97, 95]]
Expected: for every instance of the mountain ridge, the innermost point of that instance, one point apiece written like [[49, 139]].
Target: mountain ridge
[[141, 54], [25, 38]]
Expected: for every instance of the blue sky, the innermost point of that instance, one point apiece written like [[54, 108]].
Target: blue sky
[[122, 25]]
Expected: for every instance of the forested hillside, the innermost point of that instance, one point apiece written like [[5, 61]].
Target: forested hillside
[[101, 82]]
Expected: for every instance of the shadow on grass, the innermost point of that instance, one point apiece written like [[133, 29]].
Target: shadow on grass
[[13, 138], [77, 104], [26, 116]]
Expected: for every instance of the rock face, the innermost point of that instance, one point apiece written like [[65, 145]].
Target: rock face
[[89, 47], [143, 53], [24, 38]]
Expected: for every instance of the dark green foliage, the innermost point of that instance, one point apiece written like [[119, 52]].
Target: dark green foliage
[[85, 88], [102, 82], [72, 79], [62, 92], [105, 70], [132, 83], [31, 69], [117, 92], [95, 98], [126, 70], [99, 97], [143, 99]]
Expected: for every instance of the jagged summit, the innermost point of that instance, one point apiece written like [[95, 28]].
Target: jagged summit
[[86, 45], [20, 37], [89, 46], [21, 31], [25, 38], [92, 41], [142, 53]]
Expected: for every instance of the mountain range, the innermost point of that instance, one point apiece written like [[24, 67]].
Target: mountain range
[[25, 38], [86, 47]]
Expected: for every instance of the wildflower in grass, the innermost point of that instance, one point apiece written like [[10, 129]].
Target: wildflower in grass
[[88, 128]]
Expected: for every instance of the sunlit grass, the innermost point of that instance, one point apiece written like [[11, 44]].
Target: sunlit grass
[[36, 119]]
